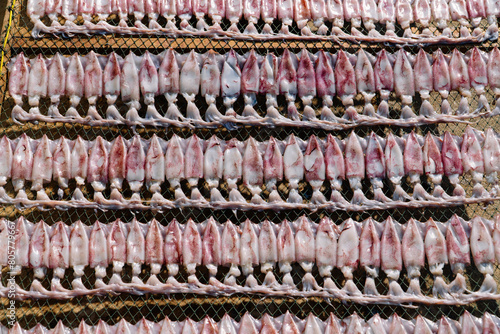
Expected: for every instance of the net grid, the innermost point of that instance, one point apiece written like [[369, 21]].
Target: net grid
[[179, 306]]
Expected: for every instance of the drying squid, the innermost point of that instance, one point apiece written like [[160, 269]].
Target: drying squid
[[136, 250], [335, 167], [149, 85], [189, 83], [93, 83], [473, 161], [325, 84], [98, 257], [460, 81], [286, 252], [258, 165], [135, 162], [233, 169], [326, 251], [287, 323], [56, 83], [193, 165], [287, 82], [75, 78], [39, 249], [78, 253], [117, 249], [478, 77], [395, 166], [169, 84], [413, 255], [348, 254], [457, 244], [386, 12], [173, 250], [192, 251], [483, 253], [309, 17], [306, 84], [253, 169], [493, 73], [273, 168], [130, 89], [404, 82], [174, 165], [305, 253], [433, 164], [18, 81], [249, 252], [414, 165], [22, 164], [345, 79], [355, 168], [59, 255], [315, 169], [424, 83], [42, 168], [371, 245], [293, 168], [230, 256], [491, 158], [268, 252], [37, 83], [306, 76], [269, 84], [111, 76], [441, 80], [365, 79], [250, 82], [375, 167], [369, 255], [210, 86], [213, 165], [384, 81], [212, 252], [452, 162], [437, 256], [154, 168], [391, 261], [230, 82]]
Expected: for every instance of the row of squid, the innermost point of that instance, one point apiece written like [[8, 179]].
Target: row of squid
[[372, 246], [286, 324], [308, 15], [258, 166], [322, 76]]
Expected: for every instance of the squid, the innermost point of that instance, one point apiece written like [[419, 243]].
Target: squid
[[93, 83], [189, 84], [62, 164], [37, 83], [306, 76], [56, 83], [309, 17], [211, 85], [371, 245], [258, 165]]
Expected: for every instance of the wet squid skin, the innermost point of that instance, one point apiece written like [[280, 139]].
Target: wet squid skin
[[371, 245], [289, 324], [304, 13], [303, 76], [257, 167]]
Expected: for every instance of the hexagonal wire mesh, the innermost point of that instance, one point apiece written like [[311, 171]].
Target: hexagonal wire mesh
[[178, 307]]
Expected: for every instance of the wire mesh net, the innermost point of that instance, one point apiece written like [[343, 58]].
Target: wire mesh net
[[179, 306]]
